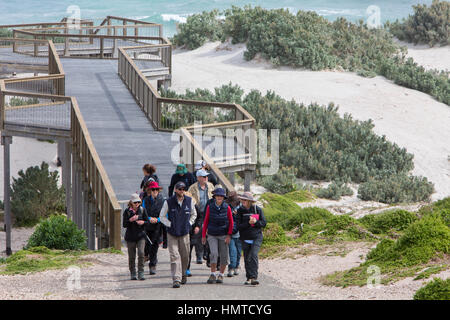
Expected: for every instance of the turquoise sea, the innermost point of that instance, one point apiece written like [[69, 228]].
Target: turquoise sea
[[171, 12]]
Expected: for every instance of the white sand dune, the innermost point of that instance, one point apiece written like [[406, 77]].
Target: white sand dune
[[431, 58], [411, 119]]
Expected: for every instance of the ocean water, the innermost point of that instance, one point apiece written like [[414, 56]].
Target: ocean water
[[171, 12]]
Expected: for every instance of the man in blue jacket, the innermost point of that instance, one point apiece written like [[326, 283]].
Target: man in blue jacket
[[178, 214]]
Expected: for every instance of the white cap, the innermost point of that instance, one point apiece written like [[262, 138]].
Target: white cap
[[202, 173], [200, 164]]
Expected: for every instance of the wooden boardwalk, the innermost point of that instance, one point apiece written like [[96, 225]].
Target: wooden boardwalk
[[122, 135]]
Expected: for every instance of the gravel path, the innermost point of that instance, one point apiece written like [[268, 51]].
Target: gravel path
[[294, 277]]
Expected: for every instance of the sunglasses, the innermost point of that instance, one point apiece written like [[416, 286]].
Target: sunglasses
[[181, 189], [136, 202], [156, 189]]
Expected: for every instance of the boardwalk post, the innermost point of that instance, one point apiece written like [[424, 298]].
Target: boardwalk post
[[66, 176], [6, 142], [231, 178], [247, 179]]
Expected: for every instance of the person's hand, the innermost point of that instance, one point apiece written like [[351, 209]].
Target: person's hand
[[134, 218], [140, 222], [196, 230], [203, 241], [252, 220], [228, 239]]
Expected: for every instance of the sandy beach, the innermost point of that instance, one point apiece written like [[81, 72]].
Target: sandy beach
[[411, 119]]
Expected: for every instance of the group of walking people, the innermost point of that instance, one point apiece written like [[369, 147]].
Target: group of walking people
[[197, 214]]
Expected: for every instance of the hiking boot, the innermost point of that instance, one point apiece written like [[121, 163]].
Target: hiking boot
[[133, 276], [230, 273], [212, 279], [141, 275], [219, 279], [248, 282], [188, 273], [152, 270], [183, 280], [254, 282], [176, 284], [236, 271], [199, 261]]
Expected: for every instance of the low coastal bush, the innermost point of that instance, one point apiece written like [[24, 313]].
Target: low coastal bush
[[281, 182], [35, 195], [198, 29], [335, 191], [437, 289], [317, 143], [388, 221], [396, 188], [58, 232], [310, 41], [430, 25], [422, 242]]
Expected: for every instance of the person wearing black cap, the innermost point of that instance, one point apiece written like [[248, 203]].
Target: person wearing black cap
[[218, 225], [178, 214]]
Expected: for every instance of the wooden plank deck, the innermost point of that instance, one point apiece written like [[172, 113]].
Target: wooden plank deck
[[121, 133]]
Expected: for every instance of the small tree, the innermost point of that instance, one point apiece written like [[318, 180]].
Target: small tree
[[35, 195]]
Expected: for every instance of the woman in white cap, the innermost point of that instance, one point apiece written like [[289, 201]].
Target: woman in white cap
[[135, 219], [250, 219]]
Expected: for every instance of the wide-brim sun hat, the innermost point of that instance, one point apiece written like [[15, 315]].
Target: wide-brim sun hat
[[153, 185], [219, 192], [135, 198], [182, 170], [247, 196]]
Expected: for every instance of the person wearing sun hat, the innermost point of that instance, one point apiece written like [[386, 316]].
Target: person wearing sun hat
[[153, 202], [250, 220], [135, 219], [218, 225], [181, 174]]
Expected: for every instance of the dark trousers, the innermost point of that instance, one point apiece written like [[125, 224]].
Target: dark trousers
[[251, 257], [152, 252], [132, 247]]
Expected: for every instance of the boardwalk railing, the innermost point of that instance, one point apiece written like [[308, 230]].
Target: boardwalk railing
[[166, 114], [96, 41], [30, 102]]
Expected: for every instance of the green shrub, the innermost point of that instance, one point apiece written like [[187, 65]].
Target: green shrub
[[310, 41], [422, 241], [198, 29], [430, 25], [2, 205], [280, 209], [282, 182], [317, 143], [35, 195], [391, 220], [335, 191], [301, 195], [396, 188], [274, 235], [437, 289], [57, 232]]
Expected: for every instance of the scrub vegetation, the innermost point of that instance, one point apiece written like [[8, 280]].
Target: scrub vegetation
[[307, 40]]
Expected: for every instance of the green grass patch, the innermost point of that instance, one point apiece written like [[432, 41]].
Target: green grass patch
[[37, 259], [437, 289], [425, 274], [388, 222]]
